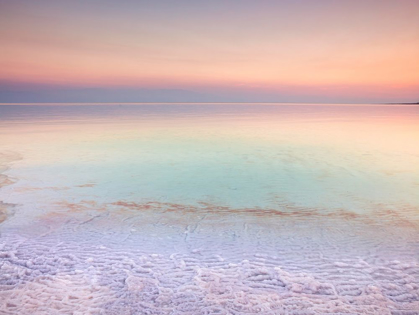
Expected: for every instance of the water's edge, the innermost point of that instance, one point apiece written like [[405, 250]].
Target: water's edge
[[6, 158]]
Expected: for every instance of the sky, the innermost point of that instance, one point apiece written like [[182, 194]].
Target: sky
[[323, 51]]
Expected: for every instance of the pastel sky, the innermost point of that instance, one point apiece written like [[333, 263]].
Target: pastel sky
[[347, 51]]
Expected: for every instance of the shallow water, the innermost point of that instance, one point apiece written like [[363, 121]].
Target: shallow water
[[209, 209]]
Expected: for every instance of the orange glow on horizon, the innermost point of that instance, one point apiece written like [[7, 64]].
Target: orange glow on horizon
[[320, 52]]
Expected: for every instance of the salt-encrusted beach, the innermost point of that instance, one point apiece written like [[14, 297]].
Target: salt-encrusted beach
[[5, 159]]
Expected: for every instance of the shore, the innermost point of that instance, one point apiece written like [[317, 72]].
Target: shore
[[5, 159]]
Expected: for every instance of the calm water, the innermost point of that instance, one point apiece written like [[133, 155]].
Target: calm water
[[209, 209]]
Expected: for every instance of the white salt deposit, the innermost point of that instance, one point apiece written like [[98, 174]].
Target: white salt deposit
[[263, 269]]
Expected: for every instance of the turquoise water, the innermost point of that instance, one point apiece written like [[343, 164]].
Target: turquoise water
[[224, 208]]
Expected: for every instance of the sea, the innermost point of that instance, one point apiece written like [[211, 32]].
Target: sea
[[209, 209]]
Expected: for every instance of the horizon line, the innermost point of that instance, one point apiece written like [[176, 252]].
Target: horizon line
[[207, 103]]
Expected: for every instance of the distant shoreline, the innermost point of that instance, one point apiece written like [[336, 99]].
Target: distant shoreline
[[417, 103]]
